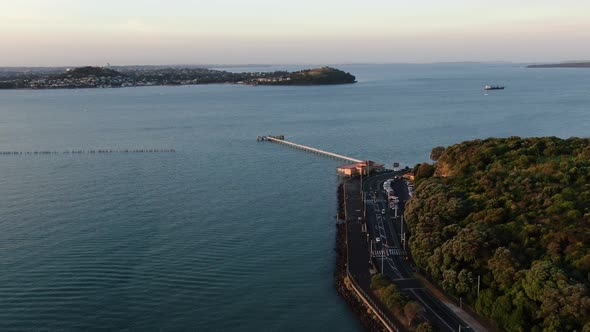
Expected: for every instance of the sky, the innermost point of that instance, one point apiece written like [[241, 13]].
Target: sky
[[126, 32]]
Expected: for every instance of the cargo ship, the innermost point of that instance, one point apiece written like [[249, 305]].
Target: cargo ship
[[493, 87]]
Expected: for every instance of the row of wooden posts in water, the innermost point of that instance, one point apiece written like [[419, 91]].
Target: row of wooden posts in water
[[88, 151]]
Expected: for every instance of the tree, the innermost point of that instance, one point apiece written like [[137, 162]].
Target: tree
[[437, 153], [501, 310], [449, 279], [464, 282], [392, 298], [379, 281], [539, 276], [485, 302], [503, 266], [424, 327], [424, 171], [411, 310]]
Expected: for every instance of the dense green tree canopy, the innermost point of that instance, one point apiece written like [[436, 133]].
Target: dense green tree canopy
[[515, 212]]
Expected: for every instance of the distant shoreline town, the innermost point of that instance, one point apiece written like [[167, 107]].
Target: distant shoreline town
[[104, 77], [585, 64]]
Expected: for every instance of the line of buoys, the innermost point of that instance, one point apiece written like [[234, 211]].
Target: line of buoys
[[88, 151]]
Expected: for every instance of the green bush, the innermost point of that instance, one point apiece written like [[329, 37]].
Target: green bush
[[379, 281]]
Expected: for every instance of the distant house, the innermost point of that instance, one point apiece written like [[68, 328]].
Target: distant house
[[409, 176], [363, 168]]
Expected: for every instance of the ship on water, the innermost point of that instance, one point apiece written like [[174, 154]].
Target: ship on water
[[493, 87]]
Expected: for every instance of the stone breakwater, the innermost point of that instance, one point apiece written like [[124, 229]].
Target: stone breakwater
[[87, 151]]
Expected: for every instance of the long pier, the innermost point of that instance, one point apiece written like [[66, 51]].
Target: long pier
[[281, 140]]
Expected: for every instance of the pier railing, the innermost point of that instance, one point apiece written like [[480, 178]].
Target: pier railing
[[281, 140]]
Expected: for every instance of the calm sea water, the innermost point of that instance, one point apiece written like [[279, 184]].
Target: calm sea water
[[226, 233]]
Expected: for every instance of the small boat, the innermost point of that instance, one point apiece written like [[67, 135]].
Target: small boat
[[493, 87]]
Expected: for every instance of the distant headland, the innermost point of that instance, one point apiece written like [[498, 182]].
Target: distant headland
[[581, 64], [317, 76], [103, 77]]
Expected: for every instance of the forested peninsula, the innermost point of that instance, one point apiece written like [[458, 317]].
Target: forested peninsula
[[515, 212], [103, 77]]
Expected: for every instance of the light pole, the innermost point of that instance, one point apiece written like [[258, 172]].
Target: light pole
[[364, 205], [404, 241], [382, 257], [361, 180], [478, 279], [402, 234], [362, 171]]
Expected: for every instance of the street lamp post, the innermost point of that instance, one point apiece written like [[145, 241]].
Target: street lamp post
[[478, 279], [362, 173], [401, 232], [382, 257], [365, 205], [361, 180]]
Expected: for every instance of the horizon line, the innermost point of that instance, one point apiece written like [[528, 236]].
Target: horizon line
[[211, 65]]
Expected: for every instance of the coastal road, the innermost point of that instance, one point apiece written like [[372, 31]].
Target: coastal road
[[358, 242], [396, 263]]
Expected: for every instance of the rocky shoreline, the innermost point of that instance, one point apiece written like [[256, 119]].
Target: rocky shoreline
[[364, 315]]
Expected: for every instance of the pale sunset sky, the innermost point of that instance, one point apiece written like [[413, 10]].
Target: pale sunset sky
[[122, 32]]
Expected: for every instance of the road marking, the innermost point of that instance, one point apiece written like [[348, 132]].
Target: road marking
[[395, 252], [378, 253], [409, 288], [391, 251], [397, 272]]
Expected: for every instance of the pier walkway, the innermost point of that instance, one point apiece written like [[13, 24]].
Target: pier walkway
[[281, 140]]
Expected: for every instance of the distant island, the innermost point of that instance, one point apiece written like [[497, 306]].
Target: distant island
[[584, 64], [103, 77]]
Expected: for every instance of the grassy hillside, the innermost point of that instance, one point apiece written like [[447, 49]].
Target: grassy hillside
[[517, 213]]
